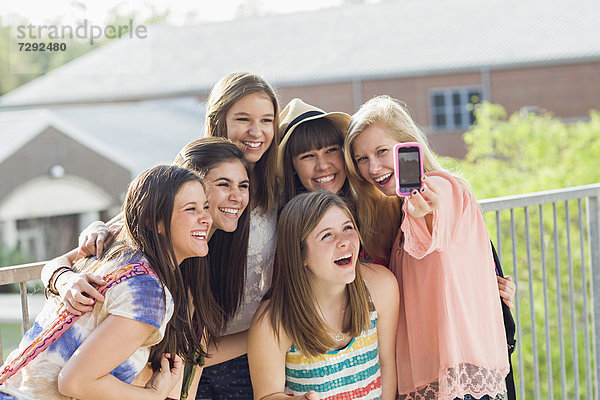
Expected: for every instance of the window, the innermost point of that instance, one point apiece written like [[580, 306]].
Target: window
[[452, 108]]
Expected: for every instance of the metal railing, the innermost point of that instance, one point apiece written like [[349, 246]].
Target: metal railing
[[558, 236], [566, 306], [21, 274]]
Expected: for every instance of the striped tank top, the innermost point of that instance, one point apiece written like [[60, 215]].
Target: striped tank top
[[349, 373]]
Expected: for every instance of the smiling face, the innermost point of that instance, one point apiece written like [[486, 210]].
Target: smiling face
[[374, 158], [190, 222], [321, 169], [332, 249], [250, 122], [228, 194]]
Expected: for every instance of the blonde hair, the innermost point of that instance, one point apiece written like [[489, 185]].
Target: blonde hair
[[378, 214], [226, 92], [292, 304]]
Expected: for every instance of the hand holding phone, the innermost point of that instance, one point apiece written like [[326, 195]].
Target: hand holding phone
[[408, 167]]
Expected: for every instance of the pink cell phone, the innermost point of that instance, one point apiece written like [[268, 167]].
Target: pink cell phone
[[408, 167]]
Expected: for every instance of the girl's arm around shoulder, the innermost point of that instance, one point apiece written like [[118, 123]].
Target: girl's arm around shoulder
[[72, 287], [49, 269], [383, 288], [266, 357], [86, 375]]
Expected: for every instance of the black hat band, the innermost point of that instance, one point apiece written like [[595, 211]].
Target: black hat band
[[300, 117]]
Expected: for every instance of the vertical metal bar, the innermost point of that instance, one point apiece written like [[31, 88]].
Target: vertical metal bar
[[594, 243], [536, 373], [498, 237], [561, 341], [513, 236], [584, 292], [546, 315], [24, 306], [575, 356]]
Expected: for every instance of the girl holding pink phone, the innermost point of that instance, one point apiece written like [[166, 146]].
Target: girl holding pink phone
[[450, 340]]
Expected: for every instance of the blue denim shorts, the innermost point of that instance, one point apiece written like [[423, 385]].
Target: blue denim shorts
[[228, 380]]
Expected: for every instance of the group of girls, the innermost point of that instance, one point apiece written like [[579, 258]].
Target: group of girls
[[289, 300]]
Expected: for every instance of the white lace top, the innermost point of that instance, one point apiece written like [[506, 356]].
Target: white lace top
[[259, 267]]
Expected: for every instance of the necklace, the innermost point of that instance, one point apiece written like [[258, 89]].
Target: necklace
[[339, 336]]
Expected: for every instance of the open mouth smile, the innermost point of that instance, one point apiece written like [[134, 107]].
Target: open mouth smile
[[343, 260], [201, 235], [253, 145], [325, 179], [383, 179], [230, 212]]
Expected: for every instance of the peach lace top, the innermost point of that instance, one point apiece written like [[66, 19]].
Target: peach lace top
[[451, 339]]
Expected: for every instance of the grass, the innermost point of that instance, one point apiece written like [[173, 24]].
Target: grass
[[11, 336]]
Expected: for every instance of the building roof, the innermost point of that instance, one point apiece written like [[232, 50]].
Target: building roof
[[389, 39], [134, 135]]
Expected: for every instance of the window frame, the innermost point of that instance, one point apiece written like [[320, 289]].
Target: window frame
[[449, 110]]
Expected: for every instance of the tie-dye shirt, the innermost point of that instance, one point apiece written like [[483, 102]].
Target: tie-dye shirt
[[350, 373], [141, 298]]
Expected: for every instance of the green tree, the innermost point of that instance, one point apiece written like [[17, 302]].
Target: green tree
[[516, 154], [8, 81], [250, 8], [9, 257], [18, 68]]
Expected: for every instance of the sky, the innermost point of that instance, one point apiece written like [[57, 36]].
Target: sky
[[181, 11]]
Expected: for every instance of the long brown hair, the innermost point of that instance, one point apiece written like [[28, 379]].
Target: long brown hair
[[149, 201], [222, 97], [226, 261], [292, 304]]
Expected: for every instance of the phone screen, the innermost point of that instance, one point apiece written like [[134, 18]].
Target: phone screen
[[408, 169]]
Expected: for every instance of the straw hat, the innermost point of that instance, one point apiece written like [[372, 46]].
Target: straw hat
[[297, 112]]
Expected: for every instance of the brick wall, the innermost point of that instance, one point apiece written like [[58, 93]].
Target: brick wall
[[568, 90]]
